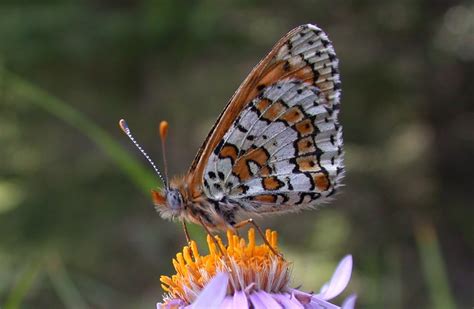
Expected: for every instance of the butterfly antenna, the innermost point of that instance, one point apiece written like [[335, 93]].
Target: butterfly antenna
[[163, 133], [123, 125]]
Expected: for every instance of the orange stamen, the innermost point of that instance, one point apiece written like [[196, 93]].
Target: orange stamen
[[195, 270]]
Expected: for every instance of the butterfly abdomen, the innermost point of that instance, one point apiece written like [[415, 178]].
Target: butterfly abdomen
[[211, 213]]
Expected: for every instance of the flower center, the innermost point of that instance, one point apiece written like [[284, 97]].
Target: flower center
[[250, 267]]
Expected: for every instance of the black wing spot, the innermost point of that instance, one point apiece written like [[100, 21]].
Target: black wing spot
[[219, 146], [300, 201], [221, 175], [244, 188], [329, 110], [241, 128], [212, 175], [288, 183], [332, 192]]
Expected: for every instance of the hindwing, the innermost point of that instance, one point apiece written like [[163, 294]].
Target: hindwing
[[278, 143]]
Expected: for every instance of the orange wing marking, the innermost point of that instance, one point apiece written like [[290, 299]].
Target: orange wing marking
[[272, 183], [262, 105], [321, 181], [274, 111], [229, 151], [305, 127], [241, 168], [265, 198], [307, 164], [305, 145], [293, 115]]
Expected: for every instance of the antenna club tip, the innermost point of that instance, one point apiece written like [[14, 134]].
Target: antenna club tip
[[163, 129], [123, 125]]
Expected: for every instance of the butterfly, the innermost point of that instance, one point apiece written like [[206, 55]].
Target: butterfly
[[276, 147]]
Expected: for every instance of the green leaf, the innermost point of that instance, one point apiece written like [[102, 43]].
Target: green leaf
[[24, 283]]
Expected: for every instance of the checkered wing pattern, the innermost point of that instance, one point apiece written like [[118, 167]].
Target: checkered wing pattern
[[277, 146]]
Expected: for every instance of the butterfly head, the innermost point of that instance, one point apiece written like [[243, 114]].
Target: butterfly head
[[174, 200], [169, 202]]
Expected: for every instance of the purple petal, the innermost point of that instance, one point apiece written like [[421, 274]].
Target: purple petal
[[287, 301], [256, 302], [324, 288], [339, 280], [318, 303], [261, 300], [214, 292], [226, 303], [303, 297], [240, 300], [267, 300], [349, 302]]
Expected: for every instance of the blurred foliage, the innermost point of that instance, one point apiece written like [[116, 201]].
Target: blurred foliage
[[75, 230]]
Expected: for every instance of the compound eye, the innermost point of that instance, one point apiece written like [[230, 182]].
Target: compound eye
[[174, 200]]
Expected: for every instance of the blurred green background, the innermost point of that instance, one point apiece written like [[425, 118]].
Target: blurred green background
[[77, 227]]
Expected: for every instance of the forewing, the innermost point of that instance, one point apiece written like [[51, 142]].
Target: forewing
[[278, 142]]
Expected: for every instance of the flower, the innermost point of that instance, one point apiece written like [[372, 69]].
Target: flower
[[244, 275]]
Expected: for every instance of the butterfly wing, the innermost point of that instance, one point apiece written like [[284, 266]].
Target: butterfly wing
[[278, 143]]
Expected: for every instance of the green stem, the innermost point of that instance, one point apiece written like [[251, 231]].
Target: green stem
[[63, 285], [23, 285], [433, 266], [14, 86]]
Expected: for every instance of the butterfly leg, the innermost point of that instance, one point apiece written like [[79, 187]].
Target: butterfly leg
[[212, 237], [185, 228], [259, 230]]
